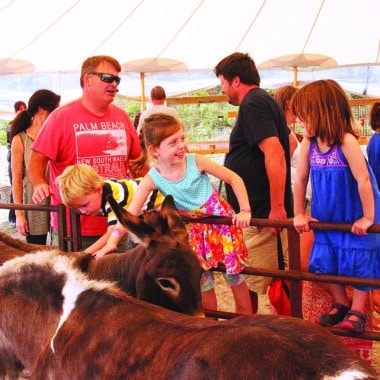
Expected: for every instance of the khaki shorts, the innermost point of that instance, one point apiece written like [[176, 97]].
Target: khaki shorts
[[262, 253]]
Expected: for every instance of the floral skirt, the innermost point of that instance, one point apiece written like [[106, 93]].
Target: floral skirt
[[217, 243]]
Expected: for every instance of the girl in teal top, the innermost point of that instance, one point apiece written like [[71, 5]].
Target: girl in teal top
[[185, 177]]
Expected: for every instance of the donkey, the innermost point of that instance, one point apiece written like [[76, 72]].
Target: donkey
[[62, 325], [11, 247], [162, 269], [167, 273]]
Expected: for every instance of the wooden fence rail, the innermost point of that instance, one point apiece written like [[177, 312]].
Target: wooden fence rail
[[63, 239], [294, 273]]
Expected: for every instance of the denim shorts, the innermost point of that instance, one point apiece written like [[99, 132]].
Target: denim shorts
[[207, 280]]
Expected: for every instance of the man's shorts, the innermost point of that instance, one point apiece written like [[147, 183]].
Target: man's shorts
[[262, 253]]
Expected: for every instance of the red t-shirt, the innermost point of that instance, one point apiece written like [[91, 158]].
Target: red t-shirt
[[72, 135]]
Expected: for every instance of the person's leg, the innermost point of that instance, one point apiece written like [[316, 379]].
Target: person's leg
[[36, 239], [262, 253], [12, 212], [240, 292], [339, 293], [254, 301], [209, 300], [54, 238], [339, 308], [375, 308], [355, 319], [359, 299]]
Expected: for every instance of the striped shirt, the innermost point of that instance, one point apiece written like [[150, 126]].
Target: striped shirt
[[122, 190]]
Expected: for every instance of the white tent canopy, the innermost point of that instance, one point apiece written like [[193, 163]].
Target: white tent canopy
[[57, 35]]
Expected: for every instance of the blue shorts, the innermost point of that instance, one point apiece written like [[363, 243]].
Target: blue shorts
[[207, 280]]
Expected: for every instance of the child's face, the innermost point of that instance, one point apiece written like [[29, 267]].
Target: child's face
[[90, 204], [172, 148]]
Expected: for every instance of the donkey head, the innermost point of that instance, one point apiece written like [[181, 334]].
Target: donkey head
[[152, 223]]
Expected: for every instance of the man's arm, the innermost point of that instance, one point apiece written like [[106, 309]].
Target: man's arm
[[36, 170], [275, 166]]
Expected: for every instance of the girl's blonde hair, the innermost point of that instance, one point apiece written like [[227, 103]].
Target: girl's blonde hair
[[76, 181], [325, 109]]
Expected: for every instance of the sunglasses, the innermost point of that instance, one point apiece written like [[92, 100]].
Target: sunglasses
[[108, 78]]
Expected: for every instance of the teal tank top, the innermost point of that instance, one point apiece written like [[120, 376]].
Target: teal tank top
[[191, 191]]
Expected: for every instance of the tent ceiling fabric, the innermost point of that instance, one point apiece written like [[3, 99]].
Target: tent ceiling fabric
[[15, 66], [154, 65], [299, 60], [62, 33]]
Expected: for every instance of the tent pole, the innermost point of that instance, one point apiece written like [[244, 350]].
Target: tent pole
[[295, 76], [142, 82]]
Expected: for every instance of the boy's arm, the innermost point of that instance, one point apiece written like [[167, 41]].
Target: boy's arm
[[100, 243], [108, 242]]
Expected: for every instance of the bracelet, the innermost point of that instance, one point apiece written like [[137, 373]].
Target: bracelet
[[246, 210], [84, 252], [117, 232]]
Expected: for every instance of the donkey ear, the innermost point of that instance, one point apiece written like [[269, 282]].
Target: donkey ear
[[176, 226], [131, 222]]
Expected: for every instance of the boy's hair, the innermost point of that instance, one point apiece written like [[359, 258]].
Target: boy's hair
[[19, 106], [77, 181], [158, 93]]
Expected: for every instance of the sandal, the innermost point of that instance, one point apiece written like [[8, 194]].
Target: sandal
[[354, 326], [333, 319]]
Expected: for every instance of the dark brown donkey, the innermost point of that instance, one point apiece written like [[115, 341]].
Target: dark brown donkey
[[61, 325], [162, 270]]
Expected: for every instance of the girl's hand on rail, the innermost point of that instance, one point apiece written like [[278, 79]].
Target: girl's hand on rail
[[301, 222], [361, 226], [242, 219]]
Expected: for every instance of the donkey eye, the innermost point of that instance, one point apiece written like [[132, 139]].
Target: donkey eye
[[166, 283]]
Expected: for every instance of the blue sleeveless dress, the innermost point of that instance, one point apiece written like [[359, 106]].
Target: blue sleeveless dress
[[335, 199]]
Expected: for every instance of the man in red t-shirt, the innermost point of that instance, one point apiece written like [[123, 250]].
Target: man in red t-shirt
[[89, 130]]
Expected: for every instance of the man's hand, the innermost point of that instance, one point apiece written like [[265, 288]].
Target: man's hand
[[41, 192]]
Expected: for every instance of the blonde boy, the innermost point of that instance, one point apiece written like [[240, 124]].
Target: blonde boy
[[84, 190]]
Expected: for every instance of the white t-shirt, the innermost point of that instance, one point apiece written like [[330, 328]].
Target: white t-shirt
[[293, 168]]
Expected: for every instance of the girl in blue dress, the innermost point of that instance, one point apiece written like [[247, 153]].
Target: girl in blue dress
[[344, 191]]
